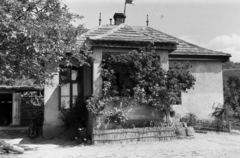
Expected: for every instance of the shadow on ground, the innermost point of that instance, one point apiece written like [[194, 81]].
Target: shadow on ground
[[20, 138]]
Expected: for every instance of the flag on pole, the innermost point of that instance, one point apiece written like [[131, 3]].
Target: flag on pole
[[129, 1]]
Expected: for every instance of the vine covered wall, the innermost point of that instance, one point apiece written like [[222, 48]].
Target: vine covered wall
[[137, 79]]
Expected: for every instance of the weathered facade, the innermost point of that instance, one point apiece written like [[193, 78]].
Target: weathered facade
[[122, 38]]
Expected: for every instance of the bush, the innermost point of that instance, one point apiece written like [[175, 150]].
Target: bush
[[73, 117], [190, 119], [232, 97], [139, 75]]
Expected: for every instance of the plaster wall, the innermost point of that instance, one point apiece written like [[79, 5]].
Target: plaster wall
[[52, 125], [208, 89]]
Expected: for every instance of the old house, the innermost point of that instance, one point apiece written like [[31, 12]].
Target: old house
[[121, 38]]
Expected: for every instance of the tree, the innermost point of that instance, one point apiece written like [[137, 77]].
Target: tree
[[231, 65], [232, 96], [177, 79], [34, 35], [230, 110]]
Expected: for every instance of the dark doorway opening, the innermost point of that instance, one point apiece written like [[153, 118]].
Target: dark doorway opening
[[5, 109]]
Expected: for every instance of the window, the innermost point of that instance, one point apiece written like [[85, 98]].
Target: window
[[70, 86]]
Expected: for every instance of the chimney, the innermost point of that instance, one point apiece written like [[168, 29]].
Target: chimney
[[110, 21], [119, 18]]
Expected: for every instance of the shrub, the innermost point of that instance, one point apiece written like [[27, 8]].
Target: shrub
[[190, 119], [117, 116], [73, 117]]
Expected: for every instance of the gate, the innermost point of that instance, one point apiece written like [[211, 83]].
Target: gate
[[32, 107]]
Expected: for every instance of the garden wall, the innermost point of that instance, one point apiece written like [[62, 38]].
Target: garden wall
[[139, 114]]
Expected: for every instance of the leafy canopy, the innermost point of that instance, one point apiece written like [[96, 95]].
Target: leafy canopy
[[232, 96], [35, 34], [139, 75]]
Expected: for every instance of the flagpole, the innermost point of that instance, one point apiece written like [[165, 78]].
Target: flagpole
[[124, 11], [125, 8]]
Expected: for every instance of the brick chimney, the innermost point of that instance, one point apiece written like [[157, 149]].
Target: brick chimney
[[119, 18]]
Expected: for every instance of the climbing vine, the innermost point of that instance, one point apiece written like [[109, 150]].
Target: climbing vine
[[138, 75]]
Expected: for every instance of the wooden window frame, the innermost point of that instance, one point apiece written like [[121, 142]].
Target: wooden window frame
[[71, 82]]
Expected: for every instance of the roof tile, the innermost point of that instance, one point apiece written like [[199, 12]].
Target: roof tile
[[126, 33]]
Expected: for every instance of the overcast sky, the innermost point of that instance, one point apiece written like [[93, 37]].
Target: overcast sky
[[213, 24]]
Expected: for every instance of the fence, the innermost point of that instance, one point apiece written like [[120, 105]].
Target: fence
[[134, 134], [213, 125]]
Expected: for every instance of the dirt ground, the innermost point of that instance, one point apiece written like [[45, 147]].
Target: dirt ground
[[210, 145]]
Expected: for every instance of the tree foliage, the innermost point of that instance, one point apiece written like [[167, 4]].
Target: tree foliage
[[232, 95], [231, 65], [230, 110], [35, 34], [140, 76]]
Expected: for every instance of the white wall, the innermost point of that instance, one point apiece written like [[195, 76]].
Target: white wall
[[207, 90], [52, 125]]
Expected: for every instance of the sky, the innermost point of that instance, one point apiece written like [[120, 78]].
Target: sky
[[212, 24]]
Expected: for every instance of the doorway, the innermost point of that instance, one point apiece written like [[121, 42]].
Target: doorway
[[5, 109]]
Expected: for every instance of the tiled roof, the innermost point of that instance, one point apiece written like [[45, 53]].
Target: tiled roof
[[127, 33], [121, 32], [183, 47]]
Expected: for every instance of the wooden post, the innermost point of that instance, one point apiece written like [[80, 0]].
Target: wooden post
[[16, 109]]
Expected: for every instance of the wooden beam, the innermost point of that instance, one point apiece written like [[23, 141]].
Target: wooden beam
[[20, 88]]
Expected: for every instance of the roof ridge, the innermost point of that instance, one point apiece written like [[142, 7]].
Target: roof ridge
[[152, 36], [95, 28], [133, 27], [110, 31]]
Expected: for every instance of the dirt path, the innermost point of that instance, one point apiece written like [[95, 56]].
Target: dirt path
[[211, 145]]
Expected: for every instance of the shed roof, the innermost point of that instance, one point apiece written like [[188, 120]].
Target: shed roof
[[128, 33], [20, 88]]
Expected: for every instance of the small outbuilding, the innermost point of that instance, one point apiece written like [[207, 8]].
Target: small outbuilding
[[10, 103]]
